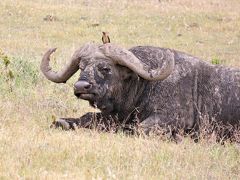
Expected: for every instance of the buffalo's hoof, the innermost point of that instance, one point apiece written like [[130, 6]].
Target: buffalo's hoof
[[64, 124]]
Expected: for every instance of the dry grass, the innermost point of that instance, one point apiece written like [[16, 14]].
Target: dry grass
[[29, 149]]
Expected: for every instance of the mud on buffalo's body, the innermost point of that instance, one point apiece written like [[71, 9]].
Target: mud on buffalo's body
[[154, 86]]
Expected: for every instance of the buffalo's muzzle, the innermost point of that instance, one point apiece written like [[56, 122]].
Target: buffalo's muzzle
[[82, 87]]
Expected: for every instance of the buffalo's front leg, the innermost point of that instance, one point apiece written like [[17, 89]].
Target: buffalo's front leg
[[89, 120]]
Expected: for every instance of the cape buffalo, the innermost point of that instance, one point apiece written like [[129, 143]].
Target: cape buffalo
[[147, 87]]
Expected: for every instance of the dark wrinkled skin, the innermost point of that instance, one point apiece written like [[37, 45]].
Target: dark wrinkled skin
[[194, 90]]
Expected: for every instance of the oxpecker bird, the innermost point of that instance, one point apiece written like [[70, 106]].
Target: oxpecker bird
[[105, 38]]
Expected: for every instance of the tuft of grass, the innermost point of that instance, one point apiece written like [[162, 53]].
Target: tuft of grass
[[6, 72], [216, 61], [26, 71], [18, 73]]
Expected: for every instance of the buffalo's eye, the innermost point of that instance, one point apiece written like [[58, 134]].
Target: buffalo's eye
[[105, 70]]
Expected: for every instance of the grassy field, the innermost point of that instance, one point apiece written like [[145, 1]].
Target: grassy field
[[29, 149]]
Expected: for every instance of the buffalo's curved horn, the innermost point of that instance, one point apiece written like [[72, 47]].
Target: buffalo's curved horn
[[71, 68], [126, 58]]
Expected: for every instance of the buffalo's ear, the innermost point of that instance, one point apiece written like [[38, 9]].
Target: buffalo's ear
[[125, 73]]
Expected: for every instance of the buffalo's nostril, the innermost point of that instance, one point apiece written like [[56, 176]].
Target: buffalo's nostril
[[82, 86], [88, 86]]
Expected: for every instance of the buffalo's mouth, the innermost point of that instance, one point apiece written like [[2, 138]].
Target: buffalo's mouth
[[85, 96]]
